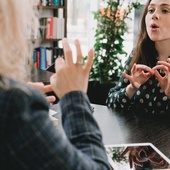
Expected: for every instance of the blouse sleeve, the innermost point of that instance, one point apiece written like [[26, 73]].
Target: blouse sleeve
[[117, 97]]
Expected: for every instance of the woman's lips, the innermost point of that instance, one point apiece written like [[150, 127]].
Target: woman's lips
[[154, 27]]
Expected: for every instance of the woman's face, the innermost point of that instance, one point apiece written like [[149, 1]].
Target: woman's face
[[158, 20]]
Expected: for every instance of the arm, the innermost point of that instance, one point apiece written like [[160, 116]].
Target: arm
[[83, 132], [32, 141], [117, 97], [120, 96]]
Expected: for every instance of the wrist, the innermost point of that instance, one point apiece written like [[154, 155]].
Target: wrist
[[131, 87], [130, 90]]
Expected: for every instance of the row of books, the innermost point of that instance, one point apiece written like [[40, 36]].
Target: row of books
[[48, 2], [44, 57], [52, 28]]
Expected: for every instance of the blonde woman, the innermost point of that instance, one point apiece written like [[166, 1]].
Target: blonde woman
[[28, 138]]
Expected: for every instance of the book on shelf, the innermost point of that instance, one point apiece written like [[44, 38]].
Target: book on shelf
[[49, 56], [38, 58], [48, 25], [43, 27], [52, 28], [51, 31], [44, 57], [51, 2], [56, 2]]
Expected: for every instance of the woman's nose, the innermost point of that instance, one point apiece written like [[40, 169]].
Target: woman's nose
[[155, 15]]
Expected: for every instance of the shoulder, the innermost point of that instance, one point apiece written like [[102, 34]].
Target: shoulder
[[21, 105], [17, 98]]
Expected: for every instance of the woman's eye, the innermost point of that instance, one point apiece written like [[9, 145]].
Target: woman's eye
[[150, 11], [165, 11]]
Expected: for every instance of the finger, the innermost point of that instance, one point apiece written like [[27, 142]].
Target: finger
[[167, 64], [148, 74], [48, 88], [59, 63], [52, 79], [144, 67], [89, 62], [78, 50], [127, 76], [51, 99], [36, 85], [67, 52], [133, 68], [158, 76], [160, 67]]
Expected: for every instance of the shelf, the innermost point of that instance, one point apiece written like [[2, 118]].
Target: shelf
[[50, 7]]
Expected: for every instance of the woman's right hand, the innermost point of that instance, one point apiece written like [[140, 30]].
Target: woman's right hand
[[139, 75], [71, 76]]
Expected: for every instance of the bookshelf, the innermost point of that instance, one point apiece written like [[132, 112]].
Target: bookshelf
[[53, 27]]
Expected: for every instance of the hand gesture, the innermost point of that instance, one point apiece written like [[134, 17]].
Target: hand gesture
[[139, 75], [43, 88], [164, 80], [71, 76]]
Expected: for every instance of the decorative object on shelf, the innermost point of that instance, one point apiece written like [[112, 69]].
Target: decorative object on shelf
[[109, 38]]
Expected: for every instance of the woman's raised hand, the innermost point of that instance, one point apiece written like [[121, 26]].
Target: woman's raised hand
[[139, 75], [164, 80], [71, 76]]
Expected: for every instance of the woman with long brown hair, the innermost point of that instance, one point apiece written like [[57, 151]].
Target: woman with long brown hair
[[143, 87]]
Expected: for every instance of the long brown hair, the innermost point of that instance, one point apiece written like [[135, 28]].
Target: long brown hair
[[145, 51]]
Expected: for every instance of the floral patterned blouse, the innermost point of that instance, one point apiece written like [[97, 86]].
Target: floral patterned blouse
[[148, 99]]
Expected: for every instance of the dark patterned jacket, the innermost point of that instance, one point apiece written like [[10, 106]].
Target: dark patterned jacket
[[29, 140]]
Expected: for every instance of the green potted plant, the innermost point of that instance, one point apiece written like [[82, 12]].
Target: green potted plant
[[109, 48]]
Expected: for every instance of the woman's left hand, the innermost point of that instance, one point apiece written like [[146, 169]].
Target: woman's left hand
[[43, 88], [164, 81]]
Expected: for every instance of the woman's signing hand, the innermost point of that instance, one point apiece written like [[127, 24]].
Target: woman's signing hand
[[164, 80], [139, 75]]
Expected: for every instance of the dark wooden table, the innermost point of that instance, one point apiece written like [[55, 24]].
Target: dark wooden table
[[118, 128]]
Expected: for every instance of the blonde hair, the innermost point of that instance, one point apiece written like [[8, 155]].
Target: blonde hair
[[17, 18]]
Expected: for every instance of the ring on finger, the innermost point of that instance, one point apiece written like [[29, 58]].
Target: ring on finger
[[80, 62]]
